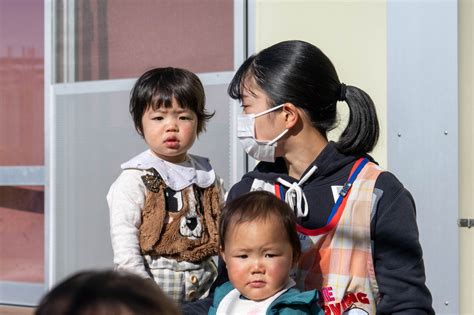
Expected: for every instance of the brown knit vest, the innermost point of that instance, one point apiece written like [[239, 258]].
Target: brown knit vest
[[159, 232]]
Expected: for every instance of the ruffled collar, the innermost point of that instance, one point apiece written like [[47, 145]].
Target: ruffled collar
[[195, 170]]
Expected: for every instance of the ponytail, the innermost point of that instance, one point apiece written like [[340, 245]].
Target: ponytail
[[300, 73], [362, 131]]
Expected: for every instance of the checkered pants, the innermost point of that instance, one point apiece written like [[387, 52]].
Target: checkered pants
[[182, 281]]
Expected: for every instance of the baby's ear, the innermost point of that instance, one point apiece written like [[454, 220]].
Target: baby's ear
[[296, 258], [222, 253]]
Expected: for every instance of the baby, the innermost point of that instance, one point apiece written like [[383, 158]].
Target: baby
[[260, 246], [105, 292], [165, 205]]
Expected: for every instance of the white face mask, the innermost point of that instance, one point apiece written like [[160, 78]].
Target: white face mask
[[258, 149]]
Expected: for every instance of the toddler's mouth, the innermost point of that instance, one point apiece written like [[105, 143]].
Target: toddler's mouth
[[172, 142], [257, 284]]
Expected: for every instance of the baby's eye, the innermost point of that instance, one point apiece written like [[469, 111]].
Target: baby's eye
[[158, 118], [242, 256], [270, 255], [185, 118]]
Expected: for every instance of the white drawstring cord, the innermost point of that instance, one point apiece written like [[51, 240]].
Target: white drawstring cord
[[295, 196]]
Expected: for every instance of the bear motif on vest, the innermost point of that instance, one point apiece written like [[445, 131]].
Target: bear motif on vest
[[189, 234]]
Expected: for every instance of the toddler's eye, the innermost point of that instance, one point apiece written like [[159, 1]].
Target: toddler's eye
[[242, 256], [158, 118], [269, 255], [185, 117]]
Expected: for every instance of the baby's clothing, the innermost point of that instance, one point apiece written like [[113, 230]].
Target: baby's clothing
[[182, 281], [229, 301], [163, 219]]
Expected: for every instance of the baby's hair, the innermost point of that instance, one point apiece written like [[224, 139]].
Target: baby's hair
[[300, 73], [157, 87], [106, 292], [259, 205]]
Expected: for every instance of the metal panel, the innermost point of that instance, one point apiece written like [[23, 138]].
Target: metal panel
[[21, 175], [422, 131], [94, 134], [214, 142], [20, 293], [49, 70]]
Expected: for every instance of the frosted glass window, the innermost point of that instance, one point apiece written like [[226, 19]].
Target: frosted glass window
[[21, 83], [21, 230], [122, 39], [21, 141]]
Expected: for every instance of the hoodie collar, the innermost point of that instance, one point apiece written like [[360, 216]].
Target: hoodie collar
[[329, 161]]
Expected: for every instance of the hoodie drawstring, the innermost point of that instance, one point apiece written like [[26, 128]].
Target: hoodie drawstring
[[295, 196]]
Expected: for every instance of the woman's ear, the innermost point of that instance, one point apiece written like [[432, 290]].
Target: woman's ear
[[292, 115]]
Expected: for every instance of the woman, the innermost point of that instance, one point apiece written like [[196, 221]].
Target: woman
[[356, 223]]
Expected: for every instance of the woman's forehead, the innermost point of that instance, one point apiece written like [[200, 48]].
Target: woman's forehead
[[250, 87]]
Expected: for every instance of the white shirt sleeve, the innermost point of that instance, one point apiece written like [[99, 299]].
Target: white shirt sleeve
[[126, 198], [222, 191]]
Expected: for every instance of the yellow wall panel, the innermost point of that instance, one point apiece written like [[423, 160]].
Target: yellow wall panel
[[351, 33], [466, 153]]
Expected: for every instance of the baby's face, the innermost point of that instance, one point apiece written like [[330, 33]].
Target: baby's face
[[259, 258], [170, 132]]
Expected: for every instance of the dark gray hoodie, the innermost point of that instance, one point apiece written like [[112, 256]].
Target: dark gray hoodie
[[396, 249]]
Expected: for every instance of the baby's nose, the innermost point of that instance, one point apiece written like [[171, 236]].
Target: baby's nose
[[171, 125], [257, 267]]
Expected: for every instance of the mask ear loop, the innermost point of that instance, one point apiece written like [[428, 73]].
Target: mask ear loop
[[268, 111], [277, 137]]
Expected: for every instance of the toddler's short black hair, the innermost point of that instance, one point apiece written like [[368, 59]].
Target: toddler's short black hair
[[259, 205], [106, 292], [157, 87]]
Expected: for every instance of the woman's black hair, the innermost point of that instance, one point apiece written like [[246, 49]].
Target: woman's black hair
[[300, 73]]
